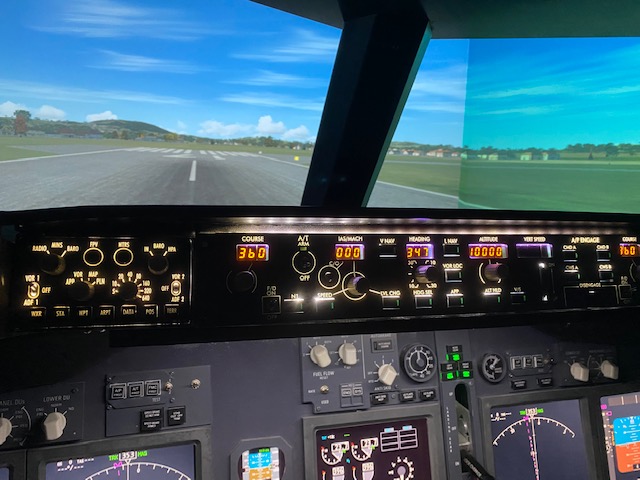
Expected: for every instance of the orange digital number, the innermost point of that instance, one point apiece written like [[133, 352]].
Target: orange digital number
[[242, 253]]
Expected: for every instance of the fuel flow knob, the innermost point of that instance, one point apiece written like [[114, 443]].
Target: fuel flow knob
[[348, 354], [320, 356]]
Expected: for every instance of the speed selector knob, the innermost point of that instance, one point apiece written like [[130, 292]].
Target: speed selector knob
[[128, 291], [320, 356], [358, 286], [609, 370], [579, 372], [348, 354], [52, 264], [387, 374], [426, 274], [495, 272], [5, 429], [243, 282], [53, 425], [81, 291]]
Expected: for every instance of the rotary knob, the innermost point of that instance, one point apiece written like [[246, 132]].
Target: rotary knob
[[81, 291], [128, 291], [348, 354], [158, 264], [426, 274], [52, 264], [243, 282], [320, 356], [53, 426], [579, 372], [609, 370], [496, 272], [5, 429], [358, 285], [387, 374]]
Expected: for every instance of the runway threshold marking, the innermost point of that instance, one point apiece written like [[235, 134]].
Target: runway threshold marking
[[192, 175]]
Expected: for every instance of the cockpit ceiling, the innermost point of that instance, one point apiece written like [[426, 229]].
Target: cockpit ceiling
[[491, 18]]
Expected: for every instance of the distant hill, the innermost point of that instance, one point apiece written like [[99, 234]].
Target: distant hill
[[133, 126]]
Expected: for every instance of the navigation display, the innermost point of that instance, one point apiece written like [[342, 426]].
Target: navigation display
[[168, 463], [621, 422], [397, 449], [542, 441], [4, 473]]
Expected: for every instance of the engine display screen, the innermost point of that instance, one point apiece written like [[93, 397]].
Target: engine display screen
[[349, 251], [419, 251], [261, 464], [488, 250], [4, 473], [539, 441], [252, 253], [169, 463], [629, 250], [397, 449], [621, 422]]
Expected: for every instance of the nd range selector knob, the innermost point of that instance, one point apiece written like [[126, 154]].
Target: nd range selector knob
[[348, 353], [128, 291], [54, 425], [320, 356], [53, 264], [5, 429], [81, 291], [358, 285], [387, 374], [496, 272], [426, 273], [242, 282]]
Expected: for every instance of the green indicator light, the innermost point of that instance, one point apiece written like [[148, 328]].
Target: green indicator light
[[466, 374], [523, 412], [499, 299], [113, 458], [541, 410], [456, 357], [450, 376], [461, 300]]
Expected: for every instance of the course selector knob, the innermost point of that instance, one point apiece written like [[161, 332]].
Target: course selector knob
[[579, 372], [426, 274], [320, 356], [348, 354], [243, 282], [387, 374], [53, 426], [81, 291], [5, 429], [496, 272]]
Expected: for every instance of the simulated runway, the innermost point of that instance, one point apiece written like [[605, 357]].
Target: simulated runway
[[87, 175]]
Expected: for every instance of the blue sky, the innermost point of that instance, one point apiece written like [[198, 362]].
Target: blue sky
[[222, 68], [549, 93]]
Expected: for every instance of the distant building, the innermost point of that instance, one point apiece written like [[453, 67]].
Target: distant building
[[526, 156]]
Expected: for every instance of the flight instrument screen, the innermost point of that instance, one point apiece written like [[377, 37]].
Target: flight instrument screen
[[543, 441], [621, 422], [396, 449], [4, 473], [169, 463]]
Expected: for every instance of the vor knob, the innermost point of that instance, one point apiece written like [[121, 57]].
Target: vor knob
[[495, 272]]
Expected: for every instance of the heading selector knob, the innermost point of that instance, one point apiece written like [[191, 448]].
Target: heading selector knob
[[358, 285], [81, 291], [495, 272], [5, 429], [320, 356], [53, 426], [52, 264], [426, 273], [387, 374]]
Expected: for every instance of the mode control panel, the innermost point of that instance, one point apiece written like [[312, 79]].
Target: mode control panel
[[86, 282], [309, 277]]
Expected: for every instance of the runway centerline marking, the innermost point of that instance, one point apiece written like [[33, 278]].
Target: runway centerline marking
[[192, 175]]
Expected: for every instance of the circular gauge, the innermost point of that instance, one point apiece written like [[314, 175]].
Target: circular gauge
[[140, 470], [362, 451], [333, 456], [419, 362], [493, 368], [402, 469]]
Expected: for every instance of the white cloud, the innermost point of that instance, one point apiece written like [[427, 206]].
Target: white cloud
[[107, 115], [218, 129], [300, 134], [115, 19], [305, 46], [540, 90], [274, 100], [267, 78], [182, 127], [8, 108], [266, 126], [47, 112], [448, 107], [138, 63], [447, 82]]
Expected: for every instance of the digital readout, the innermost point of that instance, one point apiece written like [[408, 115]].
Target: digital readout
[[349, 251], [252, 253], [488, 250], [629, 250], [419, 251]]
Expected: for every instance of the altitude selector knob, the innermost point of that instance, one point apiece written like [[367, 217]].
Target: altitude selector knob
[[358, 286], [243, 282], [320, 356], [387, 374], [496, 272], [81, 291], [52, 264], [5, 429], [348, 354], [426, 274], [128, 291]]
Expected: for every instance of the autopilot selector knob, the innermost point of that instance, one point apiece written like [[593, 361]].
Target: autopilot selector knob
[[81, 291], [53, 264], [243, 282], [358, 285], [348, 354], [320, 356], [609, 370], [5, 429], [579, 372], [496, 272], [387, 374], [53, 425], [426, 273]]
